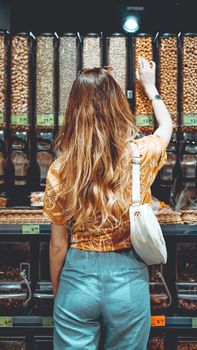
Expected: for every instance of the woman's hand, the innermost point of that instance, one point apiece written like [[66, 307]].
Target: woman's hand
[[146, 74]]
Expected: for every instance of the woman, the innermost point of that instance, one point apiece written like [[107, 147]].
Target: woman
[[96, 274]]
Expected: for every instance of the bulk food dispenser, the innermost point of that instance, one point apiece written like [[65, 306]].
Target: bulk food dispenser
[[4, 44], [156, 343], [68, 63], [43, 295], [160, 295], [3, 162], [17, 169], [167, 73], [186, 277], [116, 57], [167, 175], [3, 77], [21, 46], [91, 50], [15, 274], [45, 102], [13, 343], [188, 48], [20, 121], [143, 46], [186, 194]]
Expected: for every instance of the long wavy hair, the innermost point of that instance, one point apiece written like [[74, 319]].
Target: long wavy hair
[[94, 153]]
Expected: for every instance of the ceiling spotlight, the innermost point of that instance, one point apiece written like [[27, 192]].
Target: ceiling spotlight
[[131, 24], [132, 17]]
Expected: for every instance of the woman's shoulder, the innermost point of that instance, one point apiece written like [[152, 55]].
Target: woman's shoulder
[[53, 179], [150, 144], [152, 149], [54, 168]]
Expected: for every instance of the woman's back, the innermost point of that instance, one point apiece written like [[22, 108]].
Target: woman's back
[[153, 156]]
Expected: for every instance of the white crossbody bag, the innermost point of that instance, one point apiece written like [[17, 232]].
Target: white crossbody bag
[[145, 231]]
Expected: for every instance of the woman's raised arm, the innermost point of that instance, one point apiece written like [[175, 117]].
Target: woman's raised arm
[[146, 75]]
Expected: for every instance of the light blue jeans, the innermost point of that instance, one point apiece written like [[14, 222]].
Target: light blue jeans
[[107, 287]]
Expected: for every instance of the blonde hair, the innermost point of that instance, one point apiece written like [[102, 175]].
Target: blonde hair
[[93, 148]]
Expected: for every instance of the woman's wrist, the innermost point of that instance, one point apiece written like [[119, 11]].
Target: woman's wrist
[[151, 91]]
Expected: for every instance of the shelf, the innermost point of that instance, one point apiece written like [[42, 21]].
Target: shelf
[[179, 230], [29, 229], [39, 321], [45, 229]]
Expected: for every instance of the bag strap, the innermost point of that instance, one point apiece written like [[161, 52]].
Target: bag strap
[[135, 175]]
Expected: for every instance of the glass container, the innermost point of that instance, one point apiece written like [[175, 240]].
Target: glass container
[[12, 299], [3, 78], [187, 343], [45, 81], [67, 70], [44, 274], [186, 276], [44, 156], [143, 46], [117, 58], [186, 197], [168, 74], [43, 299], [156, 343], [19, 157], [13, 256], [158, 296], [91, 51], [12, 343], [187, 296], [167, 172], [186, 262], [189, 83], [21, 44], [43, 343], [3, 158]]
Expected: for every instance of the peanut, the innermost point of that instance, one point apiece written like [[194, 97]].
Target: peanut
[[189, 80], [2, 79], [143, 47], [169, 75], [20, 79]]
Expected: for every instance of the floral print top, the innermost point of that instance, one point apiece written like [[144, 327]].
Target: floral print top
[[153, 156]]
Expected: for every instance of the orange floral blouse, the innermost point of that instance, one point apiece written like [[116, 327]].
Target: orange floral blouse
[[153, 156]]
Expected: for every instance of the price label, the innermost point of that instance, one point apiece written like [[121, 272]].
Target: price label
[[6, 321], [194, 322], [1, 118], [61, 120], [45, 120], [144, 120], [158, 321], [31, 229], [190, 120], [19, 119], [47, 321]]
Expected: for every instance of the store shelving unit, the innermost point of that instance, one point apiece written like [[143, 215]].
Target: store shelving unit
[[38, 328], [33, 325]]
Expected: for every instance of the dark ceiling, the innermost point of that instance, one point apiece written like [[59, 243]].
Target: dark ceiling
[[105, 16]]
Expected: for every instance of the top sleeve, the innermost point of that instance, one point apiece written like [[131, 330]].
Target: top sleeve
[[53, 208], [153, 157], [153, 150]]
